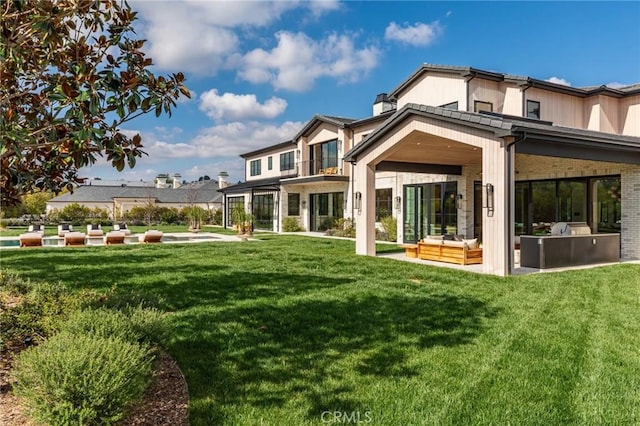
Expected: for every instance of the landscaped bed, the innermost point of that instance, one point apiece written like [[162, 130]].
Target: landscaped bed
[[294, 330]]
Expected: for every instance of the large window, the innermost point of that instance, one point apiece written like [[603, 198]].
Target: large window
[[324, 158], [482, 106], [232, 202], [608, 210], [533, 109], [287, 161], [293, 204], [383, 203], [430, 209], [325, 209], [263, 211], [256, 166]]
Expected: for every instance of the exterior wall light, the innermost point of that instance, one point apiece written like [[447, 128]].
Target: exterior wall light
[[398, 203], [358, 201], [459, 201], [489, 199]]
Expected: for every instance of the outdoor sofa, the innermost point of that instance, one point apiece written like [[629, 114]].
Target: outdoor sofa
[[439, 249]]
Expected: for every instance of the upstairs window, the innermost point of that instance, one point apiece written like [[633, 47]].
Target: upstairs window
[[533, 109], [269, 163], [482, 106], [286, 161], [255, 167], [450, 105]]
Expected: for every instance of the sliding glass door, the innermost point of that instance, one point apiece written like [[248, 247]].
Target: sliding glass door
[[430, 209]]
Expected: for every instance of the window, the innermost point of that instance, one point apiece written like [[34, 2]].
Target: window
[[533, 109], [383, 203], [269, 163], [293, 205], [482, 106], [323, 156], [256, 165], [232, 202], [287, 161], [450, 105]]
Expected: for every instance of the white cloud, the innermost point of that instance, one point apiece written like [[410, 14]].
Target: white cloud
[[239, 107], [558, 80], [236, 138], [616, 85], [419, 34], [201, 37], [298, 61]]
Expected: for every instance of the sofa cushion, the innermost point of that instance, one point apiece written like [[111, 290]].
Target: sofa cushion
[[471, 244], [451, 243]]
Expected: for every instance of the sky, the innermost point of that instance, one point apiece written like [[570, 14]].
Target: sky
[[259, 71]]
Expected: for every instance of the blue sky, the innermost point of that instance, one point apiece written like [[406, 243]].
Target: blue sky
[[258, 71]]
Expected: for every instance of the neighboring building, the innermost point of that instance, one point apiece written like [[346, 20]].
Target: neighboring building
[[118, 200], [463, 151]]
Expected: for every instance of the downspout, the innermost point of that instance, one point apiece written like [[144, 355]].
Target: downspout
[[524, 101], [466, 81], [511, 212]]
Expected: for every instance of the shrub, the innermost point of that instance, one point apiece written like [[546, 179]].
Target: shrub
[[38, 308], [343, 228], [132, 325], [290, 224], [79, 379], [390, 225]]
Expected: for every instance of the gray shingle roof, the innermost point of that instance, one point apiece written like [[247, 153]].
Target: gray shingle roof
[[500, 125], [203, 192], [521, 80]]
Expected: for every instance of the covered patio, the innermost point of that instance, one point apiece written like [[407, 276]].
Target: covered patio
[[479, 150]]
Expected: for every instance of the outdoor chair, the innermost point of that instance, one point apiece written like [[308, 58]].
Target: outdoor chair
[[31, 239], [74, 239], [36, 228], [122, 227], [114, 237], [151, 236], [64, 229], [94, 231]]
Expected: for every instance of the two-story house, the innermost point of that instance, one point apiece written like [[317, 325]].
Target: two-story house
[[456, 150]]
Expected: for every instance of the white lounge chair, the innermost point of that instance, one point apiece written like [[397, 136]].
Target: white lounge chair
[[64, 228], [94, 231]]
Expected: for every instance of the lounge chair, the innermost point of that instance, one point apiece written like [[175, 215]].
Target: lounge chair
[[31, 239], [122, 227], [64, 228], [114, 237], [36, 228], [74, 239], [150, 237], [94, 231]]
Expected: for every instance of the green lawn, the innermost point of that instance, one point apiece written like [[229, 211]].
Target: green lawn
[[284, 330]]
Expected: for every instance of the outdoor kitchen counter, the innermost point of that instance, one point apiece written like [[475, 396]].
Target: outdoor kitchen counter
[[550, 251]]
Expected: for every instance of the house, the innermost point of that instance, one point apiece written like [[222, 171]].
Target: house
[[458, 150], [120, 199]]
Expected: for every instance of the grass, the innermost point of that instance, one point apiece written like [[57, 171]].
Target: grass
[[293, 330]]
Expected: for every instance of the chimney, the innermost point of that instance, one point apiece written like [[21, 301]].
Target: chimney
[[176, 180], [383, 104], [222, 180]]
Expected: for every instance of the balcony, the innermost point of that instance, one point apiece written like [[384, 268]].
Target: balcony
[[319, 167]]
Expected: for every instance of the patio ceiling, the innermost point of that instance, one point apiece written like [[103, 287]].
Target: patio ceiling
[[419, 147]]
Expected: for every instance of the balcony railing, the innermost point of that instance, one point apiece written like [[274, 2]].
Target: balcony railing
[[319, 167]]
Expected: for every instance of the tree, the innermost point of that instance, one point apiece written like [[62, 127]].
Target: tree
[[71, 74]]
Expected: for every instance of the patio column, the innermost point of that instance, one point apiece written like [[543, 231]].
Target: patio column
[[497, 188], [630, 200], [364, 200]]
